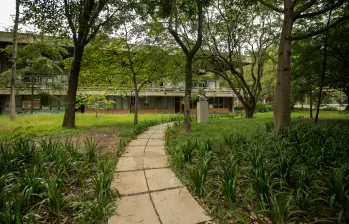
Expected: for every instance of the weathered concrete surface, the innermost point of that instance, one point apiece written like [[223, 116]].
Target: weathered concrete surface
[[150, 192]]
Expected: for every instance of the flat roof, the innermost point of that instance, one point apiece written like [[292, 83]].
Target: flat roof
[[29, 38]]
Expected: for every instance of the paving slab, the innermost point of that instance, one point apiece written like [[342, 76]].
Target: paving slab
[[135, 210], [136, 150], [156, 142], [159, 179], [144, 136], [178, 206], [130, 163], [130, 182], [141, 170], [150, 132], [138, 142], [157, 136], [154, 151], [152, 162]]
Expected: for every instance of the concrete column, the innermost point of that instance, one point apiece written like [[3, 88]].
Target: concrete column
[[202, 111]]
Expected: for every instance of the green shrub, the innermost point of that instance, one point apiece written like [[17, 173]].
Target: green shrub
[[329, 108], [263, 107], [238, 107]]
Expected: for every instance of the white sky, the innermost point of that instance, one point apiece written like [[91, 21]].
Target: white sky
[[7, 9]]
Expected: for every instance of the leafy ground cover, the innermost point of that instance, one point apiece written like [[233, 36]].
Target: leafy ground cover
[[241, 173], [48, 176], [55, 182]]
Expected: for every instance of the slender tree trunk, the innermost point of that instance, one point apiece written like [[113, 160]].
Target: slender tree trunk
[[32, 94], [96, 108], [135, 118], [59, 103], [311, 103], [188, 87], [69, 115], [282, 99], [346, 109], [323, 72], [14, 65]]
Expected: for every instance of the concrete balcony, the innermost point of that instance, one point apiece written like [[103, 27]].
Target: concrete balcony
[[111, 91]]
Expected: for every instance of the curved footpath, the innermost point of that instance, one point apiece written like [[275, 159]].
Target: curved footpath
[[150, 191]]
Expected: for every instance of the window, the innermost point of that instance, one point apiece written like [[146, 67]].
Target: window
[[217, 102], [158, 102], [165, 103]]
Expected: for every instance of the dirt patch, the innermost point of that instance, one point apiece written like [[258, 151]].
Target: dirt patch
[[106, 137]]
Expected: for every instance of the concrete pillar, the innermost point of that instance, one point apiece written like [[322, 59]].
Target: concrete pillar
[[202, 111]]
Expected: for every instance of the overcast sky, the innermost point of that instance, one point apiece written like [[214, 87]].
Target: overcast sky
[[7, 9]]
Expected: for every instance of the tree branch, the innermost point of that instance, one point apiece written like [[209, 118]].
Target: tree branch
[[96, 29], [322, 11], [270, 6], [70, 20], [316, 32], [173, 32], [304, 7], [200, 28]]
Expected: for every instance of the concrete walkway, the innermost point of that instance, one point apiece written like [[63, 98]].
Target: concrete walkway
[[151, 192]]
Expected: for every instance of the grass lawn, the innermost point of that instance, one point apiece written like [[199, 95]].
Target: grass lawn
[[51, 124], [241, 173]]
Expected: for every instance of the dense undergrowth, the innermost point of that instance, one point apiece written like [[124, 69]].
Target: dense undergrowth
[[252, 176], [49, 180], [54, 181]]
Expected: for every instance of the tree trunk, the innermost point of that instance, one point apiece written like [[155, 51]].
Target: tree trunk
[[250, 108], [248, 112], [188, 87], [32, 94], [14, 65], [311, 103], [282, 99], [135, 118], [69, 115], [347, 107], [323, 72], [96, 108]]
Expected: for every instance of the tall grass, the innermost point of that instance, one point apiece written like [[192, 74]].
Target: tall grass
[[39, 181], [302, 175]]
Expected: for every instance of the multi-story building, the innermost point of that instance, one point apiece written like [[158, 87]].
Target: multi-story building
[[49, 92]]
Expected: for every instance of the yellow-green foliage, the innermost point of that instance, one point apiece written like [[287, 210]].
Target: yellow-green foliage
[[51, 124]]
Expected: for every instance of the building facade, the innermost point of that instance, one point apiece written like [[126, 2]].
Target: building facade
[[43, 93]]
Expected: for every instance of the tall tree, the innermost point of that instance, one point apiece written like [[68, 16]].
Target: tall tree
[[83, 20], [127, 64], [43, 57], [144, 64], [338, 60], [188, 51], [294, 11], [239, 38], [323, 72], [306, 76], [14, 64]]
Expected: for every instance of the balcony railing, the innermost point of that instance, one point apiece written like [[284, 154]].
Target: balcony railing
[[45, 87]]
